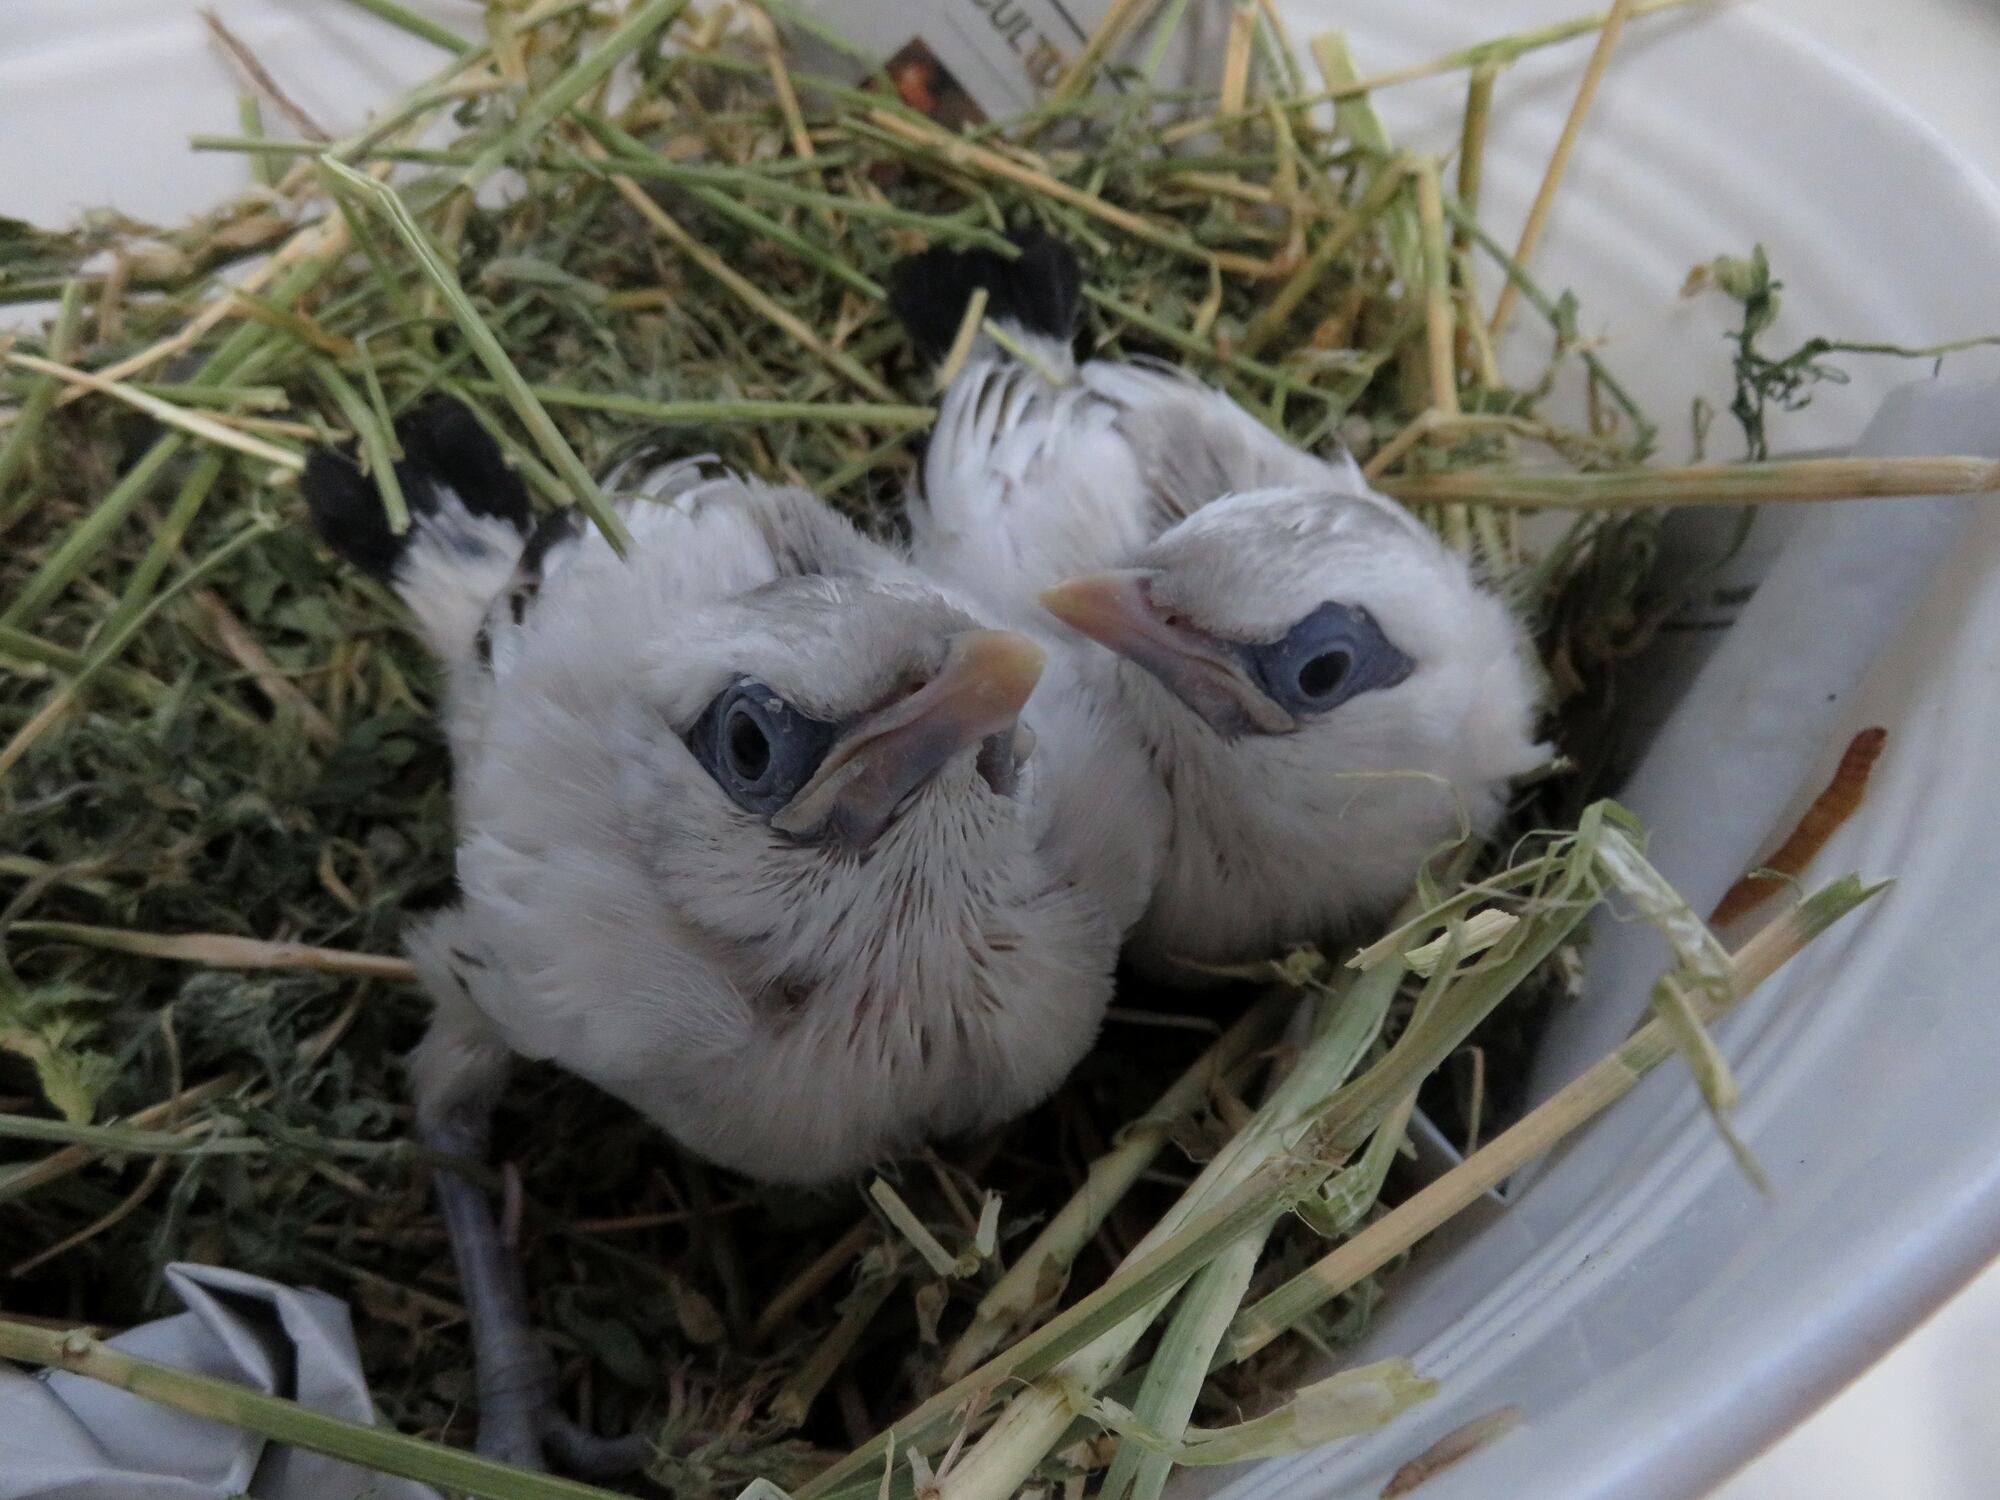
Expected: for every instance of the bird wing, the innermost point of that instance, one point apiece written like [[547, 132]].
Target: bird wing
[[1025, 483], [697, 532], [1193, 444], [1028, 482], [467, 526], [563, 949]]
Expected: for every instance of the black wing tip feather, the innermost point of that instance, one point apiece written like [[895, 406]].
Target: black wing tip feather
[[347, 513], [444, 442], [1040, 290], [444, 447]]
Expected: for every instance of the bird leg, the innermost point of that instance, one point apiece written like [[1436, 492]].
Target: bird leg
[[514, 1375], [457, 1074]]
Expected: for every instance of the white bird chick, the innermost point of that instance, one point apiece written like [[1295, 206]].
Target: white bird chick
[[1323, 689], [747, 834]]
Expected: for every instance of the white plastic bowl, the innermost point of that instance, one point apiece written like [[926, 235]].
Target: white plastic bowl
[[1655, 1319]]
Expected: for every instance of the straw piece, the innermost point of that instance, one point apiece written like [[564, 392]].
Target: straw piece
[[1275, 1164], [260, 77], [27, 1176], [378, 443], [1498, 52], [765, 38], [28, 422], [108, 646], [1387, 182], [189, 502], [1174, 1379], [244, 649], [1540, 300], [543, 109], [960, 152], [1355, 120], [802, 1288], [1776, 481], [417, 25], [1442, 364], [1120, 19], [304, 251], [1236, 57], [725, 412], [941, 1261], [641, 161], [1472, 143], [218, 950], [795, 1398], [745, 290], [1414, 431], [196, 424], [969, 325], [1545, 195]]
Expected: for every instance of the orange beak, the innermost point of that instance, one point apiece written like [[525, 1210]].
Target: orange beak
[[1115, 610], [977, 695]]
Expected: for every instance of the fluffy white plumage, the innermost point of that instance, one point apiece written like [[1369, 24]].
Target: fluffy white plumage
[[795, 1008], [1227, 539]]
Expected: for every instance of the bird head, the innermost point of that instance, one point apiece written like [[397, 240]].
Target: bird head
[[1321, 656], [813, 718]]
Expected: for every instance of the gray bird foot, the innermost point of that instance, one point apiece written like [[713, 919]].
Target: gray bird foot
[[520, 1421], [514, 1375]]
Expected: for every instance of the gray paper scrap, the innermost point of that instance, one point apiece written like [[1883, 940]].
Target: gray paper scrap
[[67, 1437]]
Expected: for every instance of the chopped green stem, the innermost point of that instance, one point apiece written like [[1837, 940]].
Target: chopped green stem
[[1777, 481], [1643, 429], [378, 443], [543, 109], [81, 545], [1109, 1178], [41, 397], [722, 412], [416, 25], [582, 487], [1579, 1101]]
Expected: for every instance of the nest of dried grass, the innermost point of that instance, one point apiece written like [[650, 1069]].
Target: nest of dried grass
[[225, 787]]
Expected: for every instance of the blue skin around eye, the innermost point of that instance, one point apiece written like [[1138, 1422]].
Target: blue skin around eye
[[796, 744], [1303, 673]]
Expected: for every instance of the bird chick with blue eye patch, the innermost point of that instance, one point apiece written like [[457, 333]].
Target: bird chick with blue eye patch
[[749, 835], [1322, 688]]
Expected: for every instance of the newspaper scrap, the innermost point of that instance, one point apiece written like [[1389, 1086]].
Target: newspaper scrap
[[966, 61]]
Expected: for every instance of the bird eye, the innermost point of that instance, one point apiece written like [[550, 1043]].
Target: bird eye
[[759, 748], [1322, 676], [1335, 653], [746, 744]]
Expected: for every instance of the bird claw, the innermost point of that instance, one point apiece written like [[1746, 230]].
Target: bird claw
[[520, 1422], [543, 1439], [551, 1442], [583, 1452]]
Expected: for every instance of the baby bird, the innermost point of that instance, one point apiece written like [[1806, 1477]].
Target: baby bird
[[1323, 690], [748, 836]]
